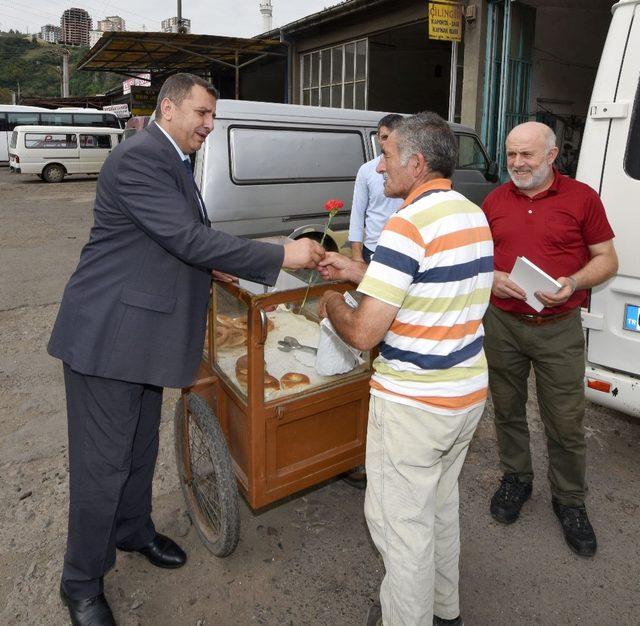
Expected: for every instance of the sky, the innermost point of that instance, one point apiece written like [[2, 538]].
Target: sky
[[239, 18]]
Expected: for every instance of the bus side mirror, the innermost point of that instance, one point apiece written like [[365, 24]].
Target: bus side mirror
[[491, 173]]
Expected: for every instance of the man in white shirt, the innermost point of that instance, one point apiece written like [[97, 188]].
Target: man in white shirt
[[370, 208]]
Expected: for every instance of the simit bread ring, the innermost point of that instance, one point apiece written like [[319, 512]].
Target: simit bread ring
[[294, 379], [235, 338], [222, 336], [270, 382], [242, 369], [239, 322], [223, 320]]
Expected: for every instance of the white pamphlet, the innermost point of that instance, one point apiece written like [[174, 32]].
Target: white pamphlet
[[530, 278]]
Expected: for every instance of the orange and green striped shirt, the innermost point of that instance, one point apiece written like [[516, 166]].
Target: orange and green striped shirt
[[434, 261]]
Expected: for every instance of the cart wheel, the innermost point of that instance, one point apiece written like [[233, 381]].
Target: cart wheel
[[206, 476]]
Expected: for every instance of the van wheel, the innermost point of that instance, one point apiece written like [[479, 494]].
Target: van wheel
[[328, 244], [53, 173]]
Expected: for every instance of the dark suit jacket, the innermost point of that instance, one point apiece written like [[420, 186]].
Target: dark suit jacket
[[135, 308]]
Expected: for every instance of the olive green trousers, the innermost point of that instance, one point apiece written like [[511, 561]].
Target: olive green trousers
[[556, 351]]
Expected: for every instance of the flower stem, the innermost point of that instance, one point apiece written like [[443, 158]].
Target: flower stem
[[324, 234]]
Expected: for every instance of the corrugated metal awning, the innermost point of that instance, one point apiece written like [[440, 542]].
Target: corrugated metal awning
[[133, 53]]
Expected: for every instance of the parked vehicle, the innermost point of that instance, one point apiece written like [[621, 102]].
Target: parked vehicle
[[610, 163], [52, 152], [269, 168], [12, 115], [134, 125]]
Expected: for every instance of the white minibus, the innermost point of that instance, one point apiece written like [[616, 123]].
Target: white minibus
[[53, 152], [12, 115], [610, 163]]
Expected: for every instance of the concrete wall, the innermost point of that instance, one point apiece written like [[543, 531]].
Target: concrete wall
[[473, 73]]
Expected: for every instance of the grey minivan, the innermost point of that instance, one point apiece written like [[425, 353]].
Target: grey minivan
[[268, 169]]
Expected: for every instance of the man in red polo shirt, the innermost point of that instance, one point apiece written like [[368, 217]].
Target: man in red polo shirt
[[560, 225]]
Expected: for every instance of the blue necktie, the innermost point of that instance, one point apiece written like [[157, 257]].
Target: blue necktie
[[187, 165]]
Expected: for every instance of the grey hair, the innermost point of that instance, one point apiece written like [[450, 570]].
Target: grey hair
[[550, 140], [178, 87], [390, 121], [428, 134]]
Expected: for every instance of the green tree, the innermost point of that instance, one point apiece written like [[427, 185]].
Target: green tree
[[36, 67]]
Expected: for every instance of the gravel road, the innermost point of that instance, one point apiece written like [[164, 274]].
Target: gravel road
[[305, 561]]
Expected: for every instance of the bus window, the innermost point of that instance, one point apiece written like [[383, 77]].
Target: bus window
[[17, 119], [55, 119], [88, 119], [110, 121], [3, 122]]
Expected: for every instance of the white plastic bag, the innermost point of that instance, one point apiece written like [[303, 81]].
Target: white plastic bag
[[334, 355]]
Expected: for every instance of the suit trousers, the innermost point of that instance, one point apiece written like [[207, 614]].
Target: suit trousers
[[556, 350], [414, 457], [113, 445]]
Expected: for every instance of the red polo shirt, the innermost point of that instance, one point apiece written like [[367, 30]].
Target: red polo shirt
[[553, 229]]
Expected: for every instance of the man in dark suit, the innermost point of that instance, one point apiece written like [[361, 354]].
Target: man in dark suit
[[132, 321]]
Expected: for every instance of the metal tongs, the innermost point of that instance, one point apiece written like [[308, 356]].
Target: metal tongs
[[291, 343]]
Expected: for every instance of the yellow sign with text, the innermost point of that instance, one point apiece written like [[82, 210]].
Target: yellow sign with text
[[445, 21]]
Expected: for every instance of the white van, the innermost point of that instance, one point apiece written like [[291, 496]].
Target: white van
[[52, 152], [268, 169], [610, 163]]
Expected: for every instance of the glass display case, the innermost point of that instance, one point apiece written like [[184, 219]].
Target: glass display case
[[288, 337], [287, 427]]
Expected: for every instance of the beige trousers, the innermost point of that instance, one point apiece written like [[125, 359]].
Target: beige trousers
[[413, 461]]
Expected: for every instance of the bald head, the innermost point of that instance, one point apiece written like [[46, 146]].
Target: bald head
[[531, 151], [534, 132]]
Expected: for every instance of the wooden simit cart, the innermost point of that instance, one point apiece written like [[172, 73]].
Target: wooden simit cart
[[261, 420]]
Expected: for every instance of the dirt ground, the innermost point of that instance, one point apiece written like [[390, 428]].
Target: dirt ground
[[306, 561]]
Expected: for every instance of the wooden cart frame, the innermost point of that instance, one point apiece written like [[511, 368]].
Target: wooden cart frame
[[265, 449]]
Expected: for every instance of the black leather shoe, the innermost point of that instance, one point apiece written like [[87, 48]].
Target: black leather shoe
[[440, 621], [162, 552], [578, 532], [509, 498], [93, 611]]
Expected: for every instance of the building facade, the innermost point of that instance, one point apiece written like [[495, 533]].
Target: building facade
[[94, 37], [75, 25], [111, 23], [171, 25], [517, 60], [50, 33]]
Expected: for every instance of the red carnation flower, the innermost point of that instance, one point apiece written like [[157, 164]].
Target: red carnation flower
[[333, 205]]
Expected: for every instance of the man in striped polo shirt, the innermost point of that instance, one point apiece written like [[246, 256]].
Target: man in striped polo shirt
[[424, 295]]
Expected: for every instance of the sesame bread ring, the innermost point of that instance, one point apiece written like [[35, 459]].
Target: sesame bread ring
[[235, 338], [294, 379], [224, 320], [239, 322], [271, 382], [222, 336], [242, 369]]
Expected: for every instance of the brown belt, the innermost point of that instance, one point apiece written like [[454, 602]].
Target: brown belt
[[538, 320]]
